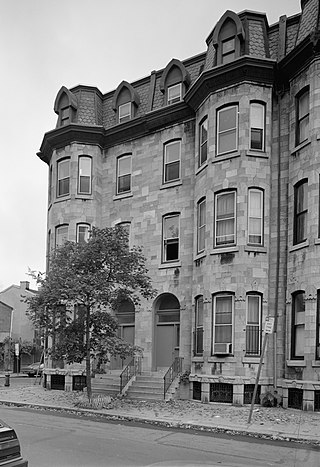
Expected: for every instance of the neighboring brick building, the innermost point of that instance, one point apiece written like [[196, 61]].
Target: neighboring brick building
[[213, 165]]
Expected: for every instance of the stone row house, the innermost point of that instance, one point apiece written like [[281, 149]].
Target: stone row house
[[212, 164]]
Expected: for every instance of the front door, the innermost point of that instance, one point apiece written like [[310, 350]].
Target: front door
[[127, 334], [167, 332], [165, 345]]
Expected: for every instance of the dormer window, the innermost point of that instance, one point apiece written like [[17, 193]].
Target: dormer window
[[124, 112], [174, 82], [65, 107], [125, 102], [174, 93], [228, 38]]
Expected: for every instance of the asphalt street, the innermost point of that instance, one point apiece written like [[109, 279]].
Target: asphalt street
[[55, 439]]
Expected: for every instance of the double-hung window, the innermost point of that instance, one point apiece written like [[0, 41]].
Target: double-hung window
[[300, 212], [61, 235], [257, 126], [124, 112], [83, 232], [201, 219], [174, 93], [227, 129], [124, 174], [255, 217], [63, 179], [223, 305], [170, 233], [253, 324], [198, 336], [225, 218], [84, 176], [302, 116], [228, 52], [298, 325], [203, 141], [172, 156]]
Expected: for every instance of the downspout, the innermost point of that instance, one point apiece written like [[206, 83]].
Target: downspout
[[276, 302]]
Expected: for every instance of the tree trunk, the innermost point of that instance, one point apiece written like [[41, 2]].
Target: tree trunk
[[88, 361]]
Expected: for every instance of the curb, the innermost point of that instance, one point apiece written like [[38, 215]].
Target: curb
[[164, 423]]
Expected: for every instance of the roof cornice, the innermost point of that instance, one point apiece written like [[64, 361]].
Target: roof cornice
[[297, 59], [245, 68], [117, 134]]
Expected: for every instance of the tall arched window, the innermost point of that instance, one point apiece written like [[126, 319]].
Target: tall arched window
[[198, 332], [298, 325]]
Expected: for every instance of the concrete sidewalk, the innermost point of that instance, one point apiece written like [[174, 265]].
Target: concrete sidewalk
[[268, 423]]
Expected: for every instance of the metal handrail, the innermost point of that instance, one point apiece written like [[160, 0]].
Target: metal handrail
[[133, 368], [171, 374]]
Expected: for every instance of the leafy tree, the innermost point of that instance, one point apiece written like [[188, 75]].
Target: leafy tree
[[83, 283]]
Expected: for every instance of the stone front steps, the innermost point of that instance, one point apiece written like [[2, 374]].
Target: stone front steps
[[107, 384], [146, 386]]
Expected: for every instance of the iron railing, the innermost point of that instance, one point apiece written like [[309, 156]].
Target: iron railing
[[253, 335], [171, 374], [133, 368]]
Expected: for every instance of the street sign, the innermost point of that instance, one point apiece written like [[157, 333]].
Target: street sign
[[16, 349], [268, 327]]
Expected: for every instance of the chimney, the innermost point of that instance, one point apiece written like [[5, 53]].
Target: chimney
[[24, 285]]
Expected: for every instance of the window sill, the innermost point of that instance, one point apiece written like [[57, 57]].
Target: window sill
[[197, 358], [252, 153], [224, 157], [301, 363], [61, 199], [315, 363], [299, 246], [174, 264], [256, 249], [201, 255], [122, 196], [85, 197], [253, 359], [317, 241], [202, 167], [170, 184], [300, 146], [218, 359], [226, 249]]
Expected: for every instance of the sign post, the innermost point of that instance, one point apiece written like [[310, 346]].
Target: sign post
[[268, 329]]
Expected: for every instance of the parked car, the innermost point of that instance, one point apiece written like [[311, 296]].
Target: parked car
[[10, 451], [33, 369]]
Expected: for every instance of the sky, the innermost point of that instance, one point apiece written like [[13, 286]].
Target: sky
[[46, 44]]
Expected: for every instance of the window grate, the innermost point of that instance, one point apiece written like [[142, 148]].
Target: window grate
[[248, 394], [196, 395], [79, 382], [221, 392], [57, 382], [295, 398], [317, 401]]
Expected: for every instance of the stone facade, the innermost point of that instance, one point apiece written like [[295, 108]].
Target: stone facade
[[245, 117]]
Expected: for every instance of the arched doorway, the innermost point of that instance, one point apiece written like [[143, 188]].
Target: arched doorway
[[125, 315], [167, 335]]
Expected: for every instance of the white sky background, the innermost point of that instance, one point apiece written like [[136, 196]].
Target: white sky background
[[46, 44]]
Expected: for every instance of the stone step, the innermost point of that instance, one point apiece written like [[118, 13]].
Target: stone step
[[144, 396]]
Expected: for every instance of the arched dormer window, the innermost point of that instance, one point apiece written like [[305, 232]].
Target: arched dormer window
[[65, 106], [228, 37], [174, 82], [125, 102]]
